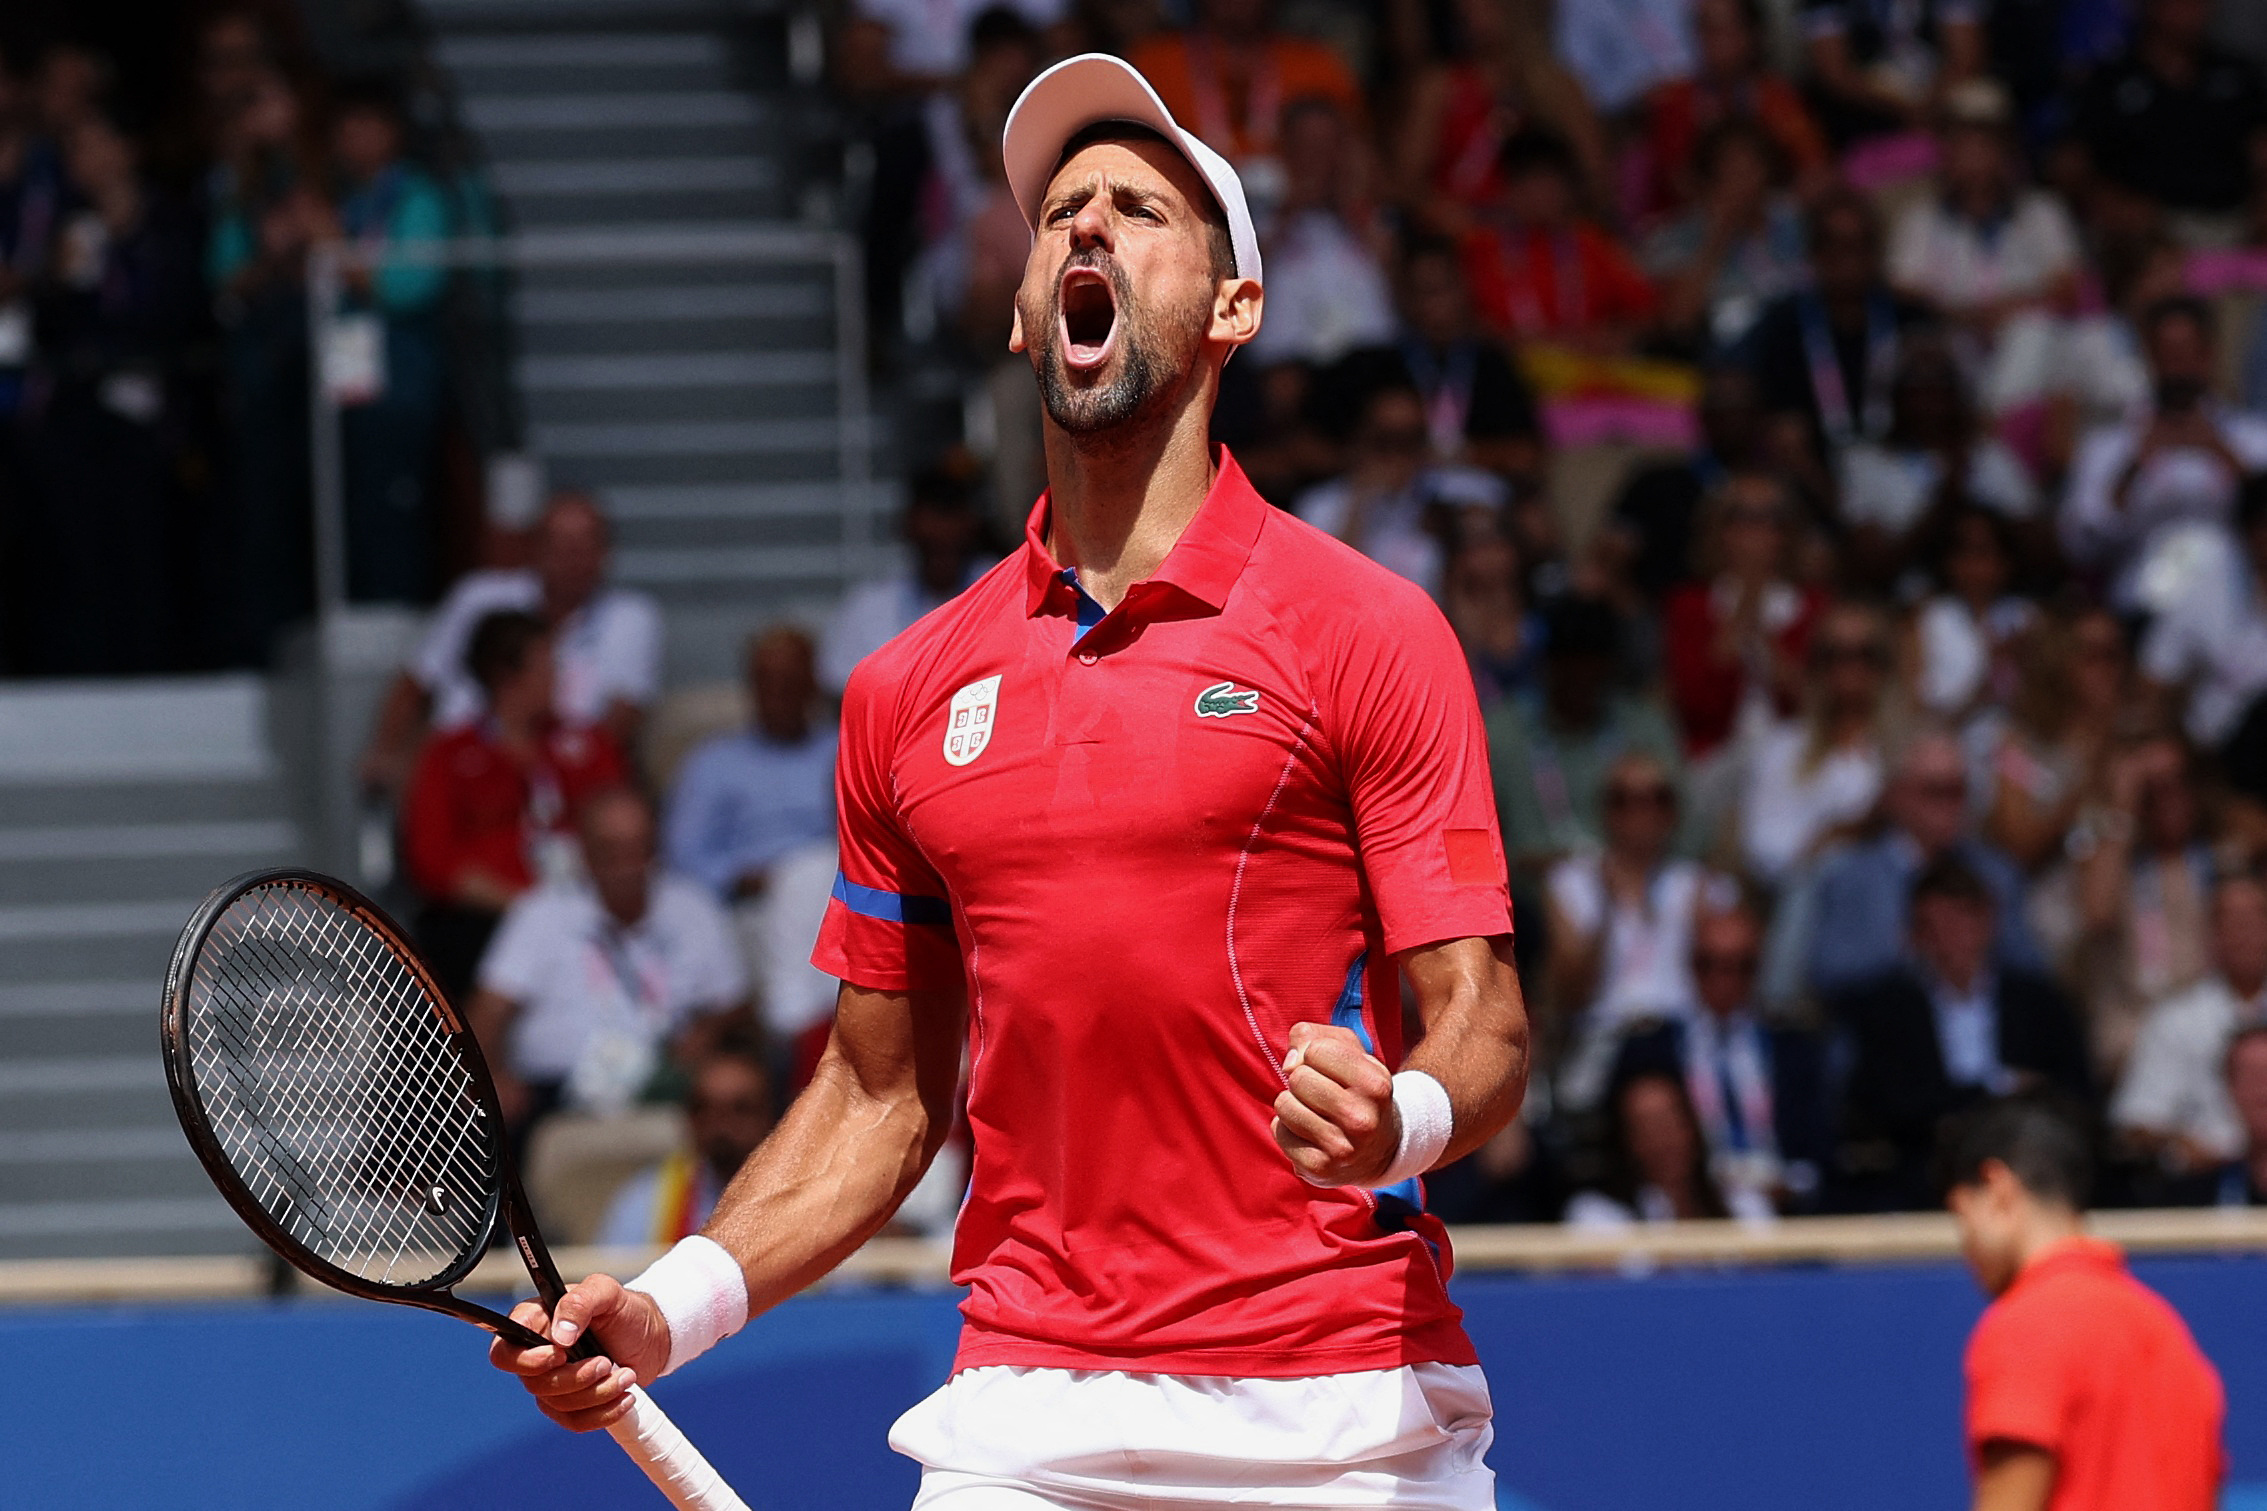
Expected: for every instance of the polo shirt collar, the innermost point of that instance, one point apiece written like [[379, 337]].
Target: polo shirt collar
[[2078, 1253], [1203, 564]]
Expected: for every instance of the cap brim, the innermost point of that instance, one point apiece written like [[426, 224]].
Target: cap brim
[[1092, 87]]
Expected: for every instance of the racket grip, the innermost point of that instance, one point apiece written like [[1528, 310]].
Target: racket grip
[[671, 1461]]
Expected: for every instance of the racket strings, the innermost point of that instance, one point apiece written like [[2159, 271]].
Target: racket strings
[[332, 1084]]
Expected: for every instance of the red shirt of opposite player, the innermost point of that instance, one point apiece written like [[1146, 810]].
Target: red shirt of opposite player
[[2082, 1360], [1150, 842]]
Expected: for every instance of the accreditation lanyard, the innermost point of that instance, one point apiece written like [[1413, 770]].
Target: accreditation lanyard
[[1263, 100], [1843, 421], [645, 997], [1445, 379], [1736, 1106]]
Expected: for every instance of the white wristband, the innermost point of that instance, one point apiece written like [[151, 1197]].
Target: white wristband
[[1427, 1120], [702, 1294]]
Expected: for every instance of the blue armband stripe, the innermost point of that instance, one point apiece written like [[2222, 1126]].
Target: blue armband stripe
[[890, 907]]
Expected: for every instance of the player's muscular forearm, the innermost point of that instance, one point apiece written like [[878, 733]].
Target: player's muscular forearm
[[854, 1143], [1336, 1119]]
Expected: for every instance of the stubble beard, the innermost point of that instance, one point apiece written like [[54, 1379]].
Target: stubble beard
[[1146, 370]]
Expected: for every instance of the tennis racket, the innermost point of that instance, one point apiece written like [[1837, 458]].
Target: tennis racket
[[345, 1111]]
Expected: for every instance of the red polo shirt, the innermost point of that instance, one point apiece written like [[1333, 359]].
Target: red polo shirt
[[2086, 1362], [1149, 850]]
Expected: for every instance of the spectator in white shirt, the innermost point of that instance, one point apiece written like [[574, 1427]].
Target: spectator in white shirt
[[1813, 778], [2172, 1103], [2178, 462], [1966, 633], [1326, 284], [1620, 927], [1997, 259], [944, 534], [607, 642], [590, 984], [2210, 641], [1379, 506]]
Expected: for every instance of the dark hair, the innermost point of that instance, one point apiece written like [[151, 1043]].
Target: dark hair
[[1001, 26], [2043, 1146], [1951, 879], [2180, 307], [1622, 1177], [369, 94], [947, 485], [1740, 130], [2251, 503], [1578, 625], [1537, 149], [1215, 215], [1939, 535], [1840, 199], [500, 644]]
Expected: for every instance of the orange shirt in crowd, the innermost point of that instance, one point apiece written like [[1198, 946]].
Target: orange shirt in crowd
[[2086, 1362], [1239, 112], [1529, 282], [471, 806]]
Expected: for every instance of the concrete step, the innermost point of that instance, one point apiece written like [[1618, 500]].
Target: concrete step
[[56, 804], [91, 940], [523, 120], [58, 881], [162, 1225]]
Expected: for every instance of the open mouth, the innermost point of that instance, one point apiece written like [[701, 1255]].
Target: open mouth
[[1090, 318]]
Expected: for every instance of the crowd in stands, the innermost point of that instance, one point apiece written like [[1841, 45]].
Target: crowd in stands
[[155, 462]]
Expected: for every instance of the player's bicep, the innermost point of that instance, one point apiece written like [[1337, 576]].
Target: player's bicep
[[2013, 1476], [901, 1048]]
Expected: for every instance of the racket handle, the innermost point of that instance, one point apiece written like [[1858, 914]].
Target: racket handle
[[673, 1464]]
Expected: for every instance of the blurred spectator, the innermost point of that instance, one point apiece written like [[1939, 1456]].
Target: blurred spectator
[[1551, 756], [1541, 270], [1935, 456], [1326, 283], [2047, 758], [2172, 1104], [2144, 887], [2179, 461], [1620, 927], [1659, 508], [1657, 1164], [913, 47], [944, 532], [1503, 78], [1620, 49], [491, 804], [390, 212], [728, 1111], [1229, 77], [265, 207], [1486, 604], [1826, 357], [1760, 1091], [111, 419], [744, 799], [1477, 406], [31, 202], [1999, 260], [591, 983], [2173, 130], [1737, 636], [606, 641], [1877, 64], [1116, 26], [1733, 81], [2242, 1180], [1380, 506], [1510, 1178], [975, 240], [1812, 778], [2208, 645], [1966, 634], [1941, 1032], [753, 819], [2104, 374], [1862, 890], [1739, 247], [71, 87]]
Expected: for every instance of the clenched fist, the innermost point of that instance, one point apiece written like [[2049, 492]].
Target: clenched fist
[[1335, 1119]]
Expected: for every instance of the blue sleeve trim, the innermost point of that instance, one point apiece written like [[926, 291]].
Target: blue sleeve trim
[[890, 907], [1346, 1013]]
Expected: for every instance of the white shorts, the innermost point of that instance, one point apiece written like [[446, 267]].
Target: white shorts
[[1005, 1439]]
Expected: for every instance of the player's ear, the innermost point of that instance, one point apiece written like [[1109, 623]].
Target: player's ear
[[1015, 327], [1236, 308]]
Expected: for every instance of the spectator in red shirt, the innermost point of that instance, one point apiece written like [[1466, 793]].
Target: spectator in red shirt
[[491, 804], [1734, 82], [2085, 1390], [1742, 630], [1538, 269]]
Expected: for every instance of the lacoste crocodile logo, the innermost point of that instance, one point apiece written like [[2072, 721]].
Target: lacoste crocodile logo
[[1222, 699]]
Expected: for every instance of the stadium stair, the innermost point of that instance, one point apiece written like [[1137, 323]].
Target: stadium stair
[[121, 805], [698, 397]]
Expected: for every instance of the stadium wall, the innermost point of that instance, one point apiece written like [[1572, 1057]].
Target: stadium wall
[[1684, 1391]]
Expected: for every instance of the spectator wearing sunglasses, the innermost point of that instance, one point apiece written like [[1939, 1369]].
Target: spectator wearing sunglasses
[[1757, 1089], [1620, 924]]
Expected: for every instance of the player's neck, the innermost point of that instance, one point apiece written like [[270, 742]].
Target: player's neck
[[1121, 498], [2046, 1229]]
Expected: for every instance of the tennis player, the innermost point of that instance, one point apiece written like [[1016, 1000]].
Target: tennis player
[[1156, 819]]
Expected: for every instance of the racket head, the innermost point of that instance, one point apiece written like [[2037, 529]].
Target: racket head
[[334, 1095]]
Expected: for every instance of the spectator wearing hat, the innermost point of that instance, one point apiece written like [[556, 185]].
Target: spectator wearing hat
[[1552, 756], [1540, 270], [1941, 1030], [491, 805], [944, 531]]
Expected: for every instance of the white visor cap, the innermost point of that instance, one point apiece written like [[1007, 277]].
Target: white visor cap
[[1078, 92]]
